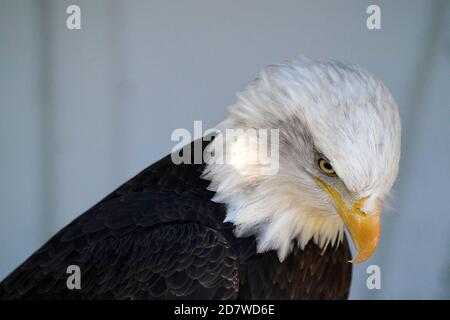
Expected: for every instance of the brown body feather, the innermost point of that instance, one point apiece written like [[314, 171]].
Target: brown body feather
[[159, 236]]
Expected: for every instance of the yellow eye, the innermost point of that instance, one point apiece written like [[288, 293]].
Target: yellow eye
[[325, 166]]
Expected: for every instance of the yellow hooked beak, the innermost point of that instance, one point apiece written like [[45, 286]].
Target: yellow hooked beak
[[363, 228]]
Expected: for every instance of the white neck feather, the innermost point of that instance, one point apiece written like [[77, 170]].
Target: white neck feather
[[277, 209]]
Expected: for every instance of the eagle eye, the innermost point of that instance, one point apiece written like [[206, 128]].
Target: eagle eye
[[325, 166]]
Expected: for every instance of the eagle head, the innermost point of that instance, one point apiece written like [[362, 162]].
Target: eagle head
[[337, 153]]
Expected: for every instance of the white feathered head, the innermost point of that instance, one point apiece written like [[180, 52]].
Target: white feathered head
[[338, 151]]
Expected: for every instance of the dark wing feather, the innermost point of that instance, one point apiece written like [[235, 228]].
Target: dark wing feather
[[304, 274], [138, 246]]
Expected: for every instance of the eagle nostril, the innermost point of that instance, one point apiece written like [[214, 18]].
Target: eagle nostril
[[368, 205], [360, 206]]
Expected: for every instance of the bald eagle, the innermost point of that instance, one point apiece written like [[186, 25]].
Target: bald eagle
[[227, 230]]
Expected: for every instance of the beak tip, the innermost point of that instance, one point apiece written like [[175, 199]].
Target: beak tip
[[365, 235], [357, 260]]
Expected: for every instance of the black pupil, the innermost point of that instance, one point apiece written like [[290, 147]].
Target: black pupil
[[328, 166]]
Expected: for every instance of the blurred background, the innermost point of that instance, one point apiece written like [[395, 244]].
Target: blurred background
[[82, 111]]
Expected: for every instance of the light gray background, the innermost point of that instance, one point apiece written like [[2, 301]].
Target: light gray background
[[83, 111]]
